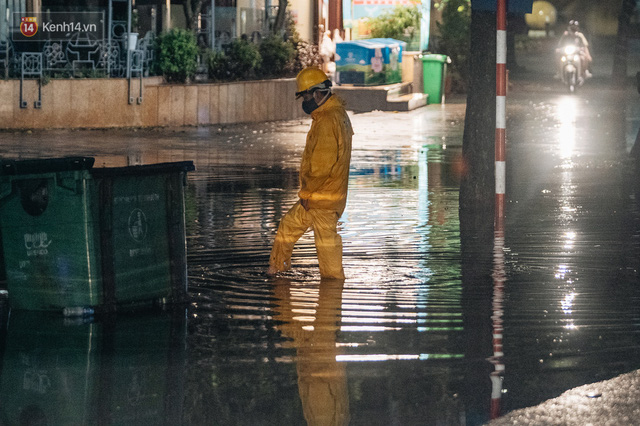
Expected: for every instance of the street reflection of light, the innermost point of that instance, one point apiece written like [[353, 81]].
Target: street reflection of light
[[374, 357], [416, 307], [423, 329], [567, 120], [350, 345], [567, 303], [304, 318], [383, 314], [346, 328], [381, 320], [568, 164], [401, 318], [397, 357], [406, 306], [304, 311], [562, 272], [569, 238], [363, 307], [404, 321]]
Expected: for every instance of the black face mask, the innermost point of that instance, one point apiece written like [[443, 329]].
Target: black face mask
[[309, 106]]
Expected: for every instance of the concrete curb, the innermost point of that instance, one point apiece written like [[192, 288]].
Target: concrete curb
[[610, 402]]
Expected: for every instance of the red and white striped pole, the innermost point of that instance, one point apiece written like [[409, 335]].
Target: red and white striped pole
[[497, 306], [499, 276], [501, 121]]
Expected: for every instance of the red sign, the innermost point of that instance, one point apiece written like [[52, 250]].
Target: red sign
[[29, 26]]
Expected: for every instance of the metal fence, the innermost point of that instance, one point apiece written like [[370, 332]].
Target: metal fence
[[81, 54]]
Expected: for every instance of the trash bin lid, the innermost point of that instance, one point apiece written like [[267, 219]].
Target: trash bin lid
[[45, 165], [54, 165], [434, 57], [389, 41], [143, 170]]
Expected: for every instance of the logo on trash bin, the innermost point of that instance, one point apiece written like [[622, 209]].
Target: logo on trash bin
[[36, 243], [138, 225]]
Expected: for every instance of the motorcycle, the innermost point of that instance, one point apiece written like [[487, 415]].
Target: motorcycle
[[572, 73]]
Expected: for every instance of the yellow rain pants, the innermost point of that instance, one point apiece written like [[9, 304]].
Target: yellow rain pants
[[328, 241], [324, 179]]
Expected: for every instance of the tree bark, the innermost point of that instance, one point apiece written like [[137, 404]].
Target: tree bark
[[278, 25], [619, 72], [477, 204], [477, 188], [191, 11]]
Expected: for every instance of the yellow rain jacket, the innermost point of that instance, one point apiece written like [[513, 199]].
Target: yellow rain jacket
[[324, 179], [324, 171]]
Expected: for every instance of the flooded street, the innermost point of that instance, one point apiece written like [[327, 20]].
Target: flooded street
[[410, 337]]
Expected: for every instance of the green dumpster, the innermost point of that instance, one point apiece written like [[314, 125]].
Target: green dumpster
[[78, 236], [434, 72]]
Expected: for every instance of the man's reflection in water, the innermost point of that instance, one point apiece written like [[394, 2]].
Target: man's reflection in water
[[310, 316]]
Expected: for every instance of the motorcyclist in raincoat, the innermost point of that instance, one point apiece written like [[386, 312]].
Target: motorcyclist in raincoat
[[573, 36], [324, 177]]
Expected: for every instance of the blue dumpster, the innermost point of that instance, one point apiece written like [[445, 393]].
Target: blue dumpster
[[392, 57], [360, 63]]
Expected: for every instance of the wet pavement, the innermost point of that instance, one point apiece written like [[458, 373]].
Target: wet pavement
[[410, 337]]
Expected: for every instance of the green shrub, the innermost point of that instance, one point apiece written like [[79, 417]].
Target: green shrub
[[455, 39], [177, 53], [401, 23], [217, 65], [243, 59], [277, 56], [273, 57]]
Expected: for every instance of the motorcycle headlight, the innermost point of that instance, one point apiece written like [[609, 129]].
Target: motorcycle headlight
[[570, 50]]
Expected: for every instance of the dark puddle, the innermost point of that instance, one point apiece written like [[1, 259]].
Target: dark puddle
[[438, 321]]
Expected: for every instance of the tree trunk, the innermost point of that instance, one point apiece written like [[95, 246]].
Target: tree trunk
[[477, 189], [619, 72], [191, 11], [278, 25], [477, 203]]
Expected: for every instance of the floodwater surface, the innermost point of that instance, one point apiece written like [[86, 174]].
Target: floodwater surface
[[436, 324]]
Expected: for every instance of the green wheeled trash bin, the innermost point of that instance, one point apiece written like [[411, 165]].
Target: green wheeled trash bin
[[434, 72], [79, 237]]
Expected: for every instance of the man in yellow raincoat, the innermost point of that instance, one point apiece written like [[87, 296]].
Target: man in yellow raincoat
[[324, 177]]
